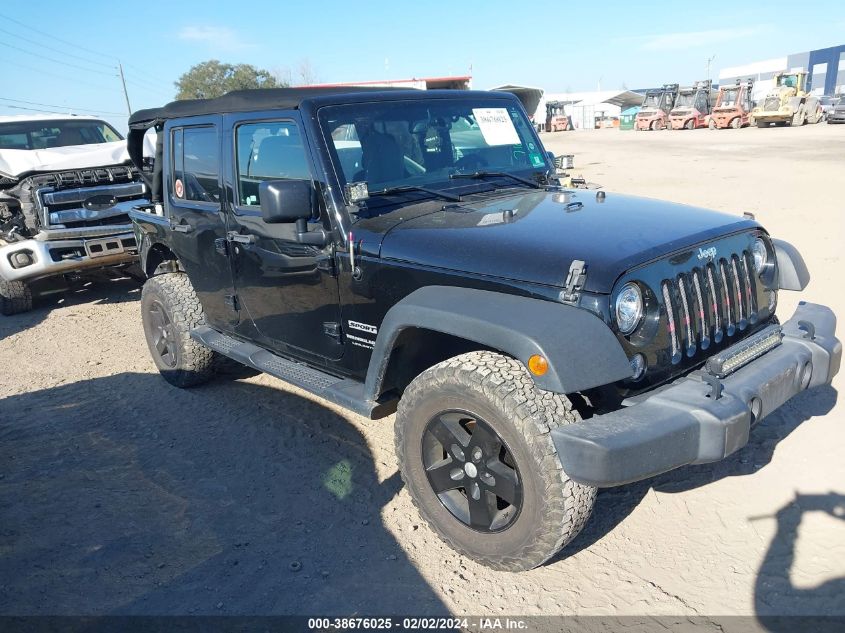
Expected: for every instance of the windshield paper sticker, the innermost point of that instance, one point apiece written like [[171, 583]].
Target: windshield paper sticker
[[496, 126]]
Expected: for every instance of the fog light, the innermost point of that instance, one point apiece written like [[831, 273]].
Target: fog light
[[538, 365], [637, 366], [21, 259]]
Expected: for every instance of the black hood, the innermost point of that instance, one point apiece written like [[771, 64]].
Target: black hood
[[534, 236]]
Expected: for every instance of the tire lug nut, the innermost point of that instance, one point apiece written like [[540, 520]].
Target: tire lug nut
[[477, 454]]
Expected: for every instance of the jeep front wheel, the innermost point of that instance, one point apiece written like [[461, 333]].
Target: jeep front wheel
[[474, 448], [169, 310], [15, 297]]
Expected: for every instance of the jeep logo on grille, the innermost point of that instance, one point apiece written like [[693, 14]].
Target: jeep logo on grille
[[707, 253]]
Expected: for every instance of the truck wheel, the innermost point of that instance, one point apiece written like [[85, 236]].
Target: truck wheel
[[15, 297], [169, 310], [762, 124], [736, 123], [712, 124], [474, 449], [689, 125]]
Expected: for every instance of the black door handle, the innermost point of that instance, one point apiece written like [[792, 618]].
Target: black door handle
[[232, 236]]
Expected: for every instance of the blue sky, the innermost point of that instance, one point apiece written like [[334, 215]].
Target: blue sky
[[559, 46]]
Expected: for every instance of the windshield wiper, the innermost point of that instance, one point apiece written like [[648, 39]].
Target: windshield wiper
[[480, 175], [405, 188]]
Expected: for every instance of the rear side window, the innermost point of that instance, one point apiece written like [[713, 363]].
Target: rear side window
[[196, 164], [269, 150]]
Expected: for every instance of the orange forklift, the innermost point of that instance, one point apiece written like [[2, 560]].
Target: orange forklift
[[733, 106], [556, 118], [692, 106], [654, 114]]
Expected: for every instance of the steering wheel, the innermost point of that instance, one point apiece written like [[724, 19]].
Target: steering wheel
[[470, 162]]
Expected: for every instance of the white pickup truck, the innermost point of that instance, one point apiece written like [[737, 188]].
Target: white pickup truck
[[66, 187]]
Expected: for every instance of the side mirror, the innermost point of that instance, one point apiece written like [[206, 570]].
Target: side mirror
[[286, 200]]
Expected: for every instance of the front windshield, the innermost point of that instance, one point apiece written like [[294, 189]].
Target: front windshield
[[790, 81], [652, 101], [421, 143], [729, 98], [51, 133], [685, 100]]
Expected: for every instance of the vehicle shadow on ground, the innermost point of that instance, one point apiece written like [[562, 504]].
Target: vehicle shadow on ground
[[774, 593], [614, 505], [123, 495], [99, 290]]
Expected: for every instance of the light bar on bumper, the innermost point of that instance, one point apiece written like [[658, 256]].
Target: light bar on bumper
[[737, 356]]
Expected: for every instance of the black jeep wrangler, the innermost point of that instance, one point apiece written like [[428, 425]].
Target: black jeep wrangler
[[384, 248]]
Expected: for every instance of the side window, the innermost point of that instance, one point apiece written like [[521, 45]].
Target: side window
[[196, 164], [269, 150]]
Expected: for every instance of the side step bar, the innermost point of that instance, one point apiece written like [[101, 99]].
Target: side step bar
[[342, 391]]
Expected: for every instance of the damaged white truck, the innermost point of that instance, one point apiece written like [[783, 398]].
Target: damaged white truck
[[66, 187]]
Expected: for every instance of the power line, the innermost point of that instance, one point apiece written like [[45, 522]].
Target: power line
[[42, 110], [58, 76], [58, 61], [53, 105], [53, 37], [57, 50]]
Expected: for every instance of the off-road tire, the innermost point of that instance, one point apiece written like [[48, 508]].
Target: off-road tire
[[15, 297], [500, 390], [736, 123], [194, 363]]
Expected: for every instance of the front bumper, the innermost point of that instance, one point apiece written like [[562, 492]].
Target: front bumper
[[60, 256], [683, 424], [836, 117]]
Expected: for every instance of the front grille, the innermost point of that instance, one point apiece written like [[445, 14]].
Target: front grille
[[771, 104], [708, 303]]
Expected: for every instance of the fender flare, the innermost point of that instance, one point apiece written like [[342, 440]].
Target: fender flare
[[581, 349], [792, 271]]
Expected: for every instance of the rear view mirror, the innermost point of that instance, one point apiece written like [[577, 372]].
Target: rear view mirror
[[286, 200]]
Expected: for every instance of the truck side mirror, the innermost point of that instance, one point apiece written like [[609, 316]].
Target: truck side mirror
[[286, 200]]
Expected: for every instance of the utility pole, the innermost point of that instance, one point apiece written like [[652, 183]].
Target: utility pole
[[710, 59], [125, 94]]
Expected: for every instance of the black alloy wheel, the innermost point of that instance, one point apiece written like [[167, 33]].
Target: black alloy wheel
[[471, 471], [162, 335]]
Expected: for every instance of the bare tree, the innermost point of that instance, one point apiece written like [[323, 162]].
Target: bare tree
[[307, 73]]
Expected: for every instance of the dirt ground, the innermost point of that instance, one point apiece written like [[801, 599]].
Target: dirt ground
[[122, 495]]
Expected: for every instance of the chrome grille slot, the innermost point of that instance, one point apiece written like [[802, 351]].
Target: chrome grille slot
[[687, 316], [750, 288], [703, 330], [736, 282], [713, 292], [726, 299], [672, 323]]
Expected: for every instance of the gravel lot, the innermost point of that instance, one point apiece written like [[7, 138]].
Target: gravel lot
[[121, 494]]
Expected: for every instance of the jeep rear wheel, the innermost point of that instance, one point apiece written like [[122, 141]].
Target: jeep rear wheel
[[169, 310], [15, 297], [474, 448]]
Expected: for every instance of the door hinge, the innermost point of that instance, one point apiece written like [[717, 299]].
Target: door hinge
[[232, 302], [574, 282], [332, 329]]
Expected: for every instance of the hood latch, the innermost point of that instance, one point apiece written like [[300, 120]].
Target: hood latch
[[574, 282]]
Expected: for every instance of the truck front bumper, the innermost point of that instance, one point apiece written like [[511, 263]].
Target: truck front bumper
[[684, 423], [33, 259]]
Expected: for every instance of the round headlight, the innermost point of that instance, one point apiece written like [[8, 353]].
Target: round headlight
[[629, 308], [760, 254]]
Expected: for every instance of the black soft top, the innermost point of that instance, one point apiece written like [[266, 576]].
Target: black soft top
[[245, 101], [255, 100]]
